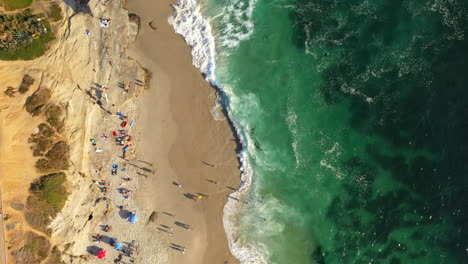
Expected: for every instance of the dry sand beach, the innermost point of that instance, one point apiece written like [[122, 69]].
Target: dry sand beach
[[182, 163], [184, 141]]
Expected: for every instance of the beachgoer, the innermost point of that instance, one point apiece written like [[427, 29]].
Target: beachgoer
[[98, 238]]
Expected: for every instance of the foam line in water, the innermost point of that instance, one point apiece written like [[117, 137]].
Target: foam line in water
[[237, 22], [189, 22]]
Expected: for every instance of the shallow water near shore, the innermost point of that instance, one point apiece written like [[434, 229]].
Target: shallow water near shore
[[353, 119]]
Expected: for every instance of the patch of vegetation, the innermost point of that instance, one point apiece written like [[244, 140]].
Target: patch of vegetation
[[37, 101], [54, 116], [37, 246], [10, 91], [48, 196], [50, 188], [55, 12], [42, 140], [57, 158], [34, 250], [38, 213], [24, 36], [25, 84], [55, 257], [16, 4]]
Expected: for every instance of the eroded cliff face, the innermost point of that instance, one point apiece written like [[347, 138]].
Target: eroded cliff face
[[81, 6], [72, 69]]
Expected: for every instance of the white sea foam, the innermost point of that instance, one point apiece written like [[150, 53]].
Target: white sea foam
[[237, 22], [246, 105], [291, 119], [189, 22]]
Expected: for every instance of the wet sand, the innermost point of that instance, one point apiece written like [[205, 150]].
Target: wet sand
[[183, 142]]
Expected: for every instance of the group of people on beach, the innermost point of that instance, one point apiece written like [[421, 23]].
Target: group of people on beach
[[121, 135], [124, 141], [120, 171]]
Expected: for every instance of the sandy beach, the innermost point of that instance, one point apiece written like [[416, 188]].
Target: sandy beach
[[182, 164], [183, 140]]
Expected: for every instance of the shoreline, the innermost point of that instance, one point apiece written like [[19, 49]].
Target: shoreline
[[190, 22], [205, 214]]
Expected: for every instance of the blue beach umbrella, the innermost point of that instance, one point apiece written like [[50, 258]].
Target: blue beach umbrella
[[118, 246], [133, 218]]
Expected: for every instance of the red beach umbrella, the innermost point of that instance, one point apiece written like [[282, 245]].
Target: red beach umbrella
[[101, 254]]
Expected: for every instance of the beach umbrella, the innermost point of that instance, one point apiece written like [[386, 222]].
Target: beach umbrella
[[118, 246], [133, 218], [101, 254]]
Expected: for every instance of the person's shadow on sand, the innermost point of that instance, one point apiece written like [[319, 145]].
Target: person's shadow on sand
[[93, 250], [107, 239], [124, 214]]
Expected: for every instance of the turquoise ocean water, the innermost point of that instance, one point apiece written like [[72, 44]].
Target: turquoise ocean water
[[354, 120]]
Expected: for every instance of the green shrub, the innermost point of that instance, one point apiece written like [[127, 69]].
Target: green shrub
[[36, 102], [38, 213], [55, 12], [41, 146], [58, 154], [45, 130], [42, 140], [24, 36], [25, 84], [55, 257], [48, 196], [50, 188], [44, 165], [16, 4], [57, 158], [35, 249], [54, 116]]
